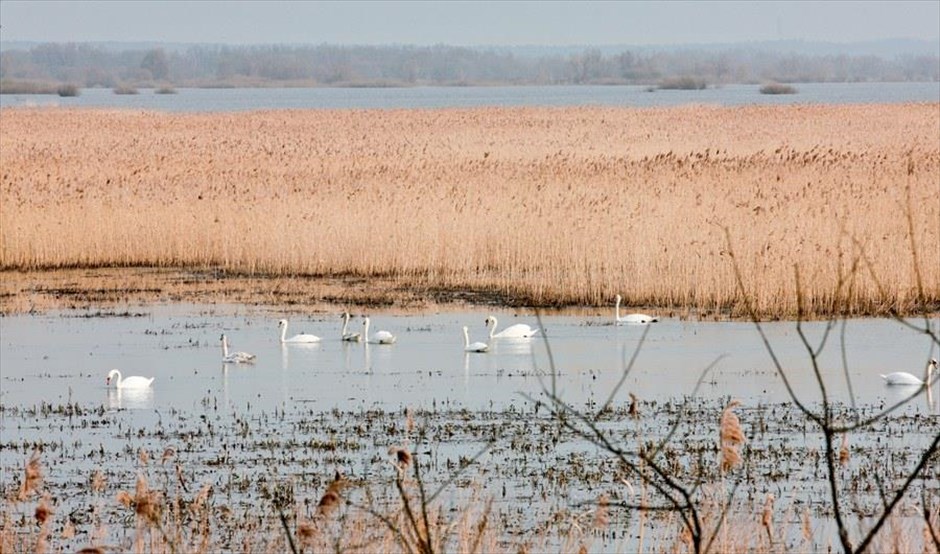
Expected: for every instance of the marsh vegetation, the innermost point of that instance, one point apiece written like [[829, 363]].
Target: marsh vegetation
[[806, 212], [544, 453], [550, 207]]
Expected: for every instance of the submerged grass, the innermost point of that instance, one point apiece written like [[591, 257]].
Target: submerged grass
[[373, 480], [553, 206]]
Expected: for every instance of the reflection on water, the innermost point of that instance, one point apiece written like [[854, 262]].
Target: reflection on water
[[895, 394], [512, 347], [195, 398], [130, 399], [179, 346], [302, 353]]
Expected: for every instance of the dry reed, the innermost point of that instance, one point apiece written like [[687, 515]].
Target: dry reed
[[731, 437], [32, 477], [554, 205]]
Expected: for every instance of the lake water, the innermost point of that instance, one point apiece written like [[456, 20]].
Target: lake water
[[57, 357], [301, 412], [277, 430], [226, 100]]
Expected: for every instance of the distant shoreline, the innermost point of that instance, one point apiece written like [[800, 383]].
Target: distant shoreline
[[50, 88], [151, 65]]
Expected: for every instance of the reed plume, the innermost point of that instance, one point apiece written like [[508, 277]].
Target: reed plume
[[146, 502], [330, 500], [844, 451], [767, 518], [43, 511], [97, 481], [43, 516], [602, 513], [402, 457], [807, 526], [731, 437], [32, 476]]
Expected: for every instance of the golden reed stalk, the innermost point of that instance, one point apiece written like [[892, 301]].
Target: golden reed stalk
[[554, 205]]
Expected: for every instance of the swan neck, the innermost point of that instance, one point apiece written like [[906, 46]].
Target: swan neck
[[345, 324], [617, 310], [466, 338], [283, 332], [493, 326], [224, 347], [119, 378]]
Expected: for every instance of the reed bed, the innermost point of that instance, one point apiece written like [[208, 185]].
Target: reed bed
[[556, 206]]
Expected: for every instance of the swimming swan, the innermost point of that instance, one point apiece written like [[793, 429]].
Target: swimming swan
[[135, 382], [904, 378], [517, 331], [475, 347], [349, 337], [235, 357], [380, 337], [302, 338], [634, 319]]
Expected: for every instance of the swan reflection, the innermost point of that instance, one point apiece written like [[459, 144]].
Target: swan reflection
[[130, 399], [304, 349], [512, 348], [307, 352]]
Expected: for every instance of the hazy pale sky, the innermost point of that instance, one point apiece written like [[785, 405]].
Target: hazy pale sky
[[477, 23]]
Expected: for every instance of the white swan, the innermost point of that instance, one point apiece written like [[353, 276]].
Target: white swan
[[349, 337], [302, 338], [134, 382], [633, 319], [235, 357], [904, 378], [380, 337], [517, 331], [475, 347]]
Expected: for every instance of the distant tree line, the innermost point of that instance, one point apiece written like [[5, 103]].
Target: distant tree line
[[90, 65]]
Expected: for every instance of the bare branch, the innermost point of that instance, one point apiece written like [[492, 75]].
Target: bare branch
[[931, 451]]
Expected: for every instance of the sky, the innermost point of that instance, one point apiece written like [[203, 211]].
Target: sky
[[478, 23]]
